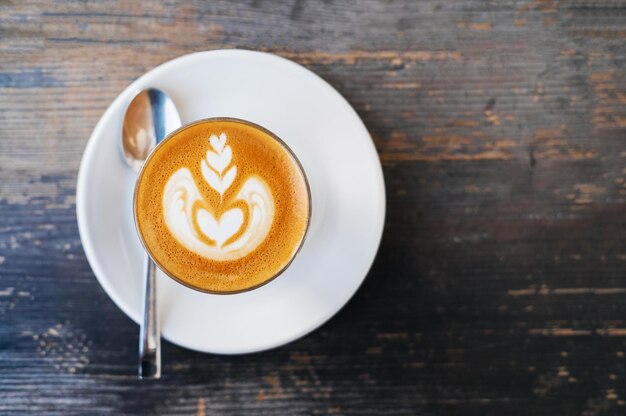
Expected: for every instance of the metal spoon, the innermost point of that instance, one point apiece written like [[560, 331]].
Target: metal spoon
[[150, 116]]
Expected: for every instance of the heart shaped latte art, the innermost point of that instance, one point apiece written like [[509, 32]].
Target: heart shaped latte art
[[220, 230], [229, 231]]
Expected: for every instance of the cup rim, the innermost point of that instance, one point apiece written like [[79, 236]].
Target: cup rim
[[250, 124]]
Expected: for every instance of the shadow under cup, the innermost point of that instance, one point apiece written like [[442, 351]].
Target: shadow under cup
[[194, 196]]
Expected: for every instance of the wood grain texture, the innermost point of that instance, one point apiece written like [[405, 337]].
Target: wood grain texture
[[500, 285]]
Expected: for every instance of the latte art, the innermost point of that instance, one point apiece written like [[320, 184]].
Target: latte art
[[222, 205], [229, 231]]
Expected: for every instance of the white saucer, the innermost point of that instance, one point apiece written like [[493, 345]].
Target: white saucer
[[347, 191]]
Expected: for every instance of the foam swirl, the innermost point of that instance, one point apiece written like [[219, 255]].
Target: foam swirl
[[229, 231]]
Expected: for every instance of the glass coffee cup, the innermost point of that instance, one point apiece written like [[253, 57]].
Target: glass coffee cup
[[222, 205]]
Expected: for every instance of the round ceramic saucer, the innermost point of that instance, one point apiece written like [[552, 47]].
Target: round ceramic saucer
[[347, 191]]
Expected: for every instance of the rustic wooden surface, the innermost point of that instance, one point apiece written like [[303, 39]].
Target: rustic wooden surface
[[500, 285]]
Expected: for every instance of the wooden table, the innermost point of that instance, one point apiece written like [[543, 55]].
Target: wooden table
[[500, 284]]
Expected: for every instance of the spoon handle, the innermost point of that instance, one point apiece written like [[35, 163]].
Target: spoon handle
[[149, 335]]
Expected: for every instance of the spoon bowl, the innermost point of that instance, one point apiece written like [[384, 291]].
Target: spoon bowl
[[150, 116]]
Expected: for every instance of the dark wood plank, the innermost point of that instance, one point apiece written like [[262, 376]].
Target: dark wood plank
[[499, 287]]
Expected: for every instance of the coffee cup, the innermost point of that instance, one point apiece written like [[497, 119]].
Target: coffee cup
[[222, 205]]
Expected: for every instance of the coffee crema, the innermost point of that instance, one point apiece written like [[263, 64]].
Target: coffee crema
[[222, 205]]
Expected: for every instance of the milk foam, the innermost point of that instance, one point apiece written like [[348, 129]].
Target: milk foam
[[224, 232]]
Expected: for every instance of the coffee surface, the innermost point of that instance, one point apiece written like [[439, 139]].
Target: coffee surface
[[222, 206]]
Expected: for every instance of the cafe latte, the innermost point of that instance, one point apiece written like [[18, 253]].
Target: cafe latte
[[222, 205]]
